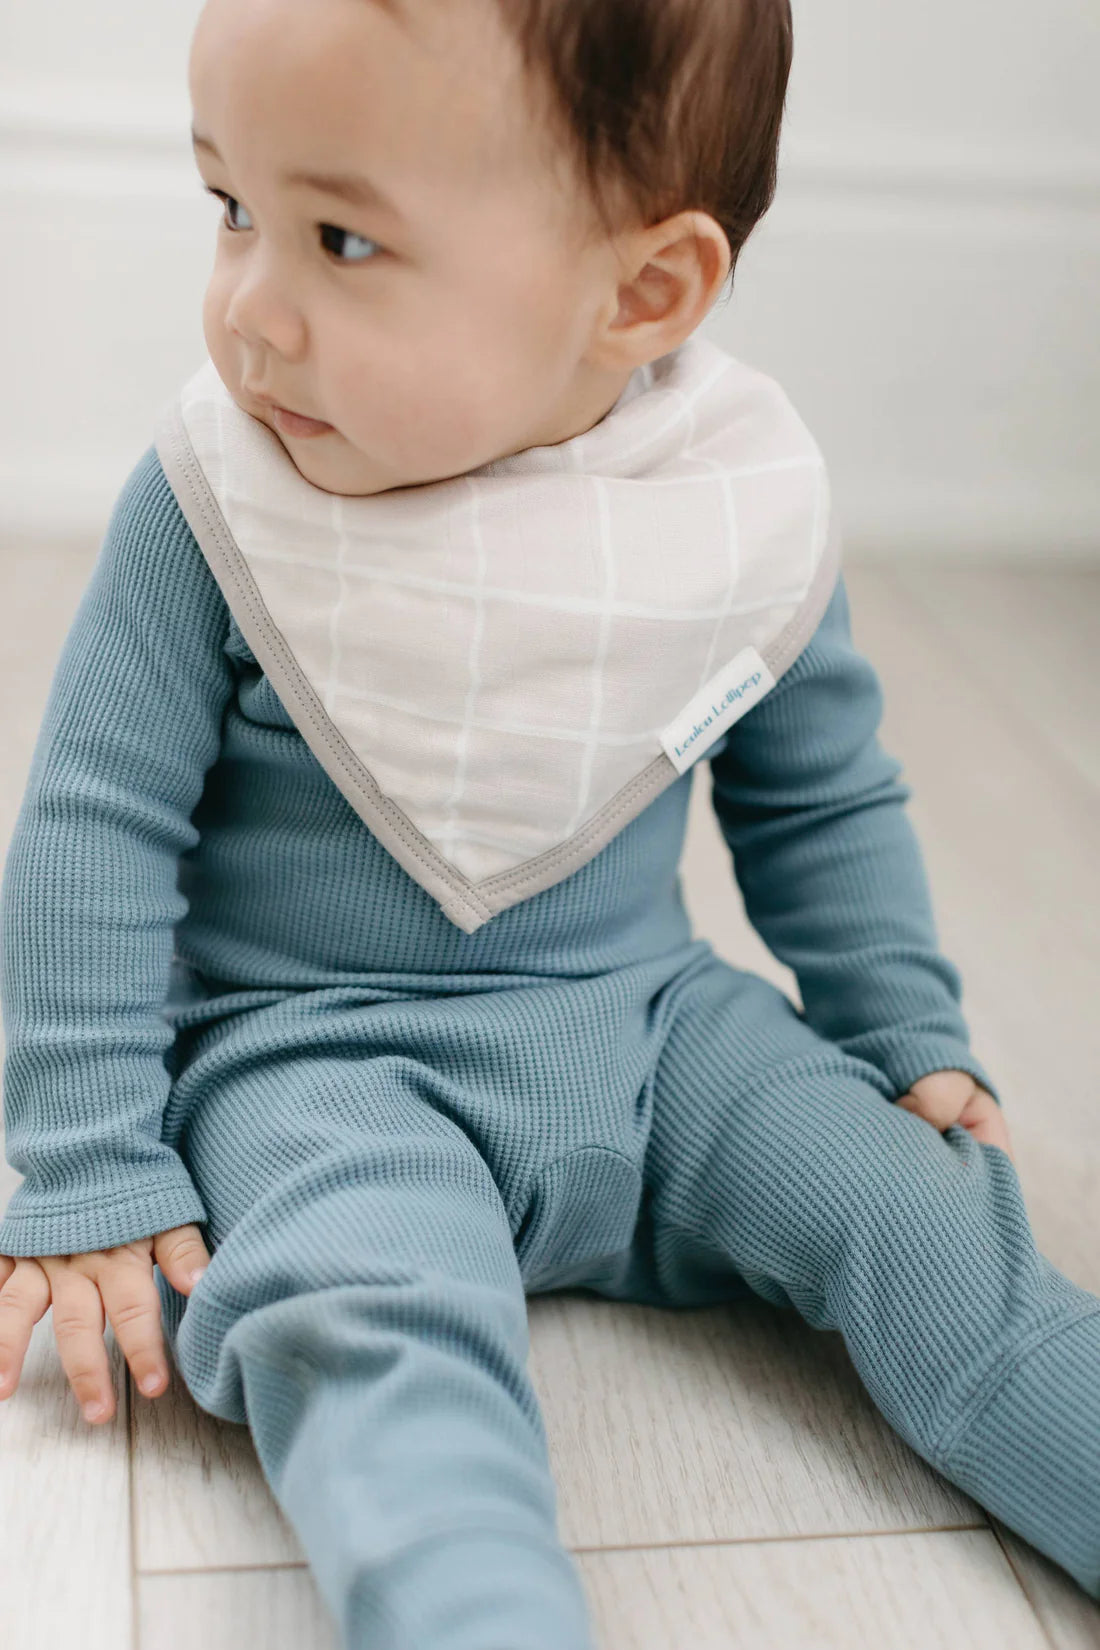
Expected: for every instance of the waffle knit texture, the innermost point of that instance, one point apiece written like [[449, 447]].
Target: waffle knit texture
[[178, 839], [226, 1003]]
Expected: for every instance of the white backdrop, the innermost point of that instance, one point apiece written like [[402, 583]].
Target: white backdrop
[[925, 286]]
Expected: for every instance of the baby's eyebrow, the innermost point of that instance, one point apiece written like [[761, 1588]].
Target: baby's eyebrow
[[356, 190]]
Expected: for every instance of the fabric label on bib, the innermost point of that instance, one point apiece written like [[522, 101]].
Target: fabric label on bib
[[728, 695]]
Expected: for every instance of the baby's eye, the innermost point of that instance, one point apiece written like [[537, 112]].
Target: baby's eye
[[229, 202], [332, 239], [337, 240]]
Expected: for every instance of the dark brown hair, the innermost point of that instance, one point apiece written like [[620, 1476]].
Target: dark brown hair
[[662, 105]]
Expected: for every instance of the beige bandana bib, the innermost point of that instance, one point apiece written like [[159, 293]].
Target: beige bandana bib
[[501, 670]]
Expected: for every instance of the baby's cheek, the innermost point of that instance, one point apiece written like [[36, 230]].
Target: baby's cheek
[[214, 332], [378, 425]]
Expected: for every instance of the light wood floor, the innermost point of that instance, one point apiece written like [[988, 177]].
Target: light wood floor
[[723, 1477]]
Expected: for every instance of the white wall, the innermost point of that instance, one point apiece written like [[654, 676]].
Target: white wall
[[924, 287]]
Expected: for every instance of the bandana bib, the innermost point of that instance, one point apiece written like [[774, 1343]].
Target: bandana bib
[[502, 669]]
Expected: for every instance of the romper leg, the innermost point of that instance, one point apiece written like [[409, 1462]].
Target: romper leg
[[363, 1312], [776, 1160]]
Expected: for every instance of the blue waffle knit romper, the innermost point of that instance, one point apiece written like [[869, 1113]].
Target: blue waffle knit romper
[[226, 1003]]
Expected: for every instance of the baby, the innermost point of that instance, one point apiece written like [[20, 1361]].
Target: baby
[[318, 1072]]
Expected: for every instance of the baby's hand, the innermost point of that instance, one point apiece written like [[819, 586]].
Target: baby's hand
[[80, 1286], [946, 1097]]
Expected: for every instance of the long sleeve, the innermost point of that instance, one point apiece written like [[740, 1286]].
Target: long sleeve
[[89, 898], [829, 866]]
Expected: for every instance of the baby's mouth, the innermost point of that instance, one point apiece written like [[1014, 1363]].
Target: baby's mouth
[[296, 424], [286, 421]]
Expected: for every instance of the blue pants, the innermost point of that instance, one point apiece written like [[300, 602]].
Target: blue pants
[[386, 1178]]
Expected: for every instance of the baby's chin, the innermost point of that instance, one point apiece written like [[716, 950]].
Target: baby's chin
[[348, 475], [336, 471]]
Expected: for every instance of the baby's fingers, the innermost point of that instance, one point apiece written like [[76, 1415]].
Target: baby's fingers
[[133, 1305], [24, 1299], [985, 1120], [78, 1330]]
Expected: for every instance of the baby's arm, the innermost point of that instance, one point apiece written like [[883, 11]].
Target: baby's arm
[[89, 897], [829, 865]]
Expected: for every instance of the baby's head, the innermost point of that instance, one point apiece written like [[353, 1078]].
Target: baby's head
[[525, 201]]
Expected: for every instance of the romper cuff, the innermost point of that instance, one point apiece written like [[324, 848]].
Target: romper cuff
[[40, 1222], [904, 1059]]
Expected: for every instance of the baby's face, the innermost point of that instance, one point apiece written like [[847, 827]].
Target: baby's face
[[429, 328]]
